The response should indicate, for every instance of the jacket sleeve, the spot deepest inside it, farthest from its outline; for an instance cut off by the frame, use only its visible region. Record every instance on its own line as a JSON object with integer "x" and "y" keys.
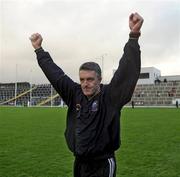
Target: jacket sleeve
{"x": 125, "y": 78}
{"x": 59, "y": 80}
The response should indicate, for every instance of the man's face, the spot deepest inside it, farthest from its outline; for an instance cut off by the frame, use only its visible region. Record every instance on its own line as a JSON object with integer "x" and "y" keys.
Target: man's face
{"x": 90, "y": 82}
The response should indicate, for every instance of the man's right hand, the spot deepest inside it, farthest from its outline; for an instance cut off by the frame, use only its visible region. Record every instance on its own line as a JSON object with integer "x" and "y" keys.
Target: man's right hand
{"x": 36, "y": 40}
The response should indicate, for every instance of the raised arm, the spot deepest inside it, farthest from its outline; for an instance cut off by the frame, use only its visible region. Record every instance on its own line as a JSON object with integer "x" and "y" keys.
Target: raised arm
{"x": 61, "y": 82}
{"x": 125, "y": 78}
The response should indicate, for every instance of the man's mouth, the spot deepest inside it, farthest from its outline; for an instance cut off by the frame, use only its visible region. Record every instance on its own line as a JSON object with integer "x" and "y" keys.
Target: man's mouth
{"x": 86, "y": 89}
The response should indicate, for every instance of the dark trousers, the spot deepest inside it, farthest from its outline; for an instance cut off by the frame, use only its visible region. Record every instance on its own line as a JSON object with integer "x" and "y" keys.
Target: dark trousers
{"x": 95, "y": 168}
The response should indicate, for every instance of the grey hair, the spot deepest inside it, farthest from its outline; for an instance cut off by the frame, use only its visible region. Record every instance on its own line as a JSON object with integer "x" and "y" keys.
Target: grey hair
{"x": 91, "y": 66}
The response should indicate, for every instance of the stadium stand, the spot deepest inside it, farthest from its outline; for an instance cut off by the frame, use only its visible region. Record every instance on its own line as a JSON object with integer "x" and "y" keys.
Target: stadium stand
{"x": 159, "y": 94}
{"x": 24, "y": 94}
{"x": 7, "y": 91}
{"x": 162, "y": 93}
{"x": 152, "y": 89}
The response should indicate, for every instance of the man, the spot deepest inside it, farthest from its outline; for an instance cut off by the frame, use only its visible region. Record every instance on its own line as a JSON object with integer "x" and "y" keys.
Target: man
{"x": 93, "y": 117}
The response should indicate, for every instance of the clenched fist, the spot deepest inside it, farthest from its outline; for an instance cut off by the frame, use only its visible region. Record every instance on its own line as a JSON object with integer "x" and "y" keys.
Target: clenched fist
{"x": 135, "y": 22}
{"x": 36, "y": 40}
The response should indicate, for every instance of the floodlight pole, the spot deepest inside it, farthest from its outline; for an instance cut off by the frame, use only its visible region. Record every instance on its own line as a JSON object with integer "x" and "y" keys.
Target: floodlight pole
{"x": 102, "y": 65}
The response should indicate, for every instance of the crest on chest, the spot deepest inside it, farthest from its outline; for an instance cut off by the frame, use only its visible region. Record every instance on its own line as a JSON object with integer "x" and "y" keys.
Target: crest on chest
{"x": 94, "y": 106}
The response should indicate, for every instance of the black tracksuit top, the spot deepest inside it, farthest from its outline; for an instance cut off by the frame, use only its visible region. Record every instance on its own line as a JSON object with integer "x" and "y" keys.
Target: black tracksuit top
{"x": 93, "y": 126}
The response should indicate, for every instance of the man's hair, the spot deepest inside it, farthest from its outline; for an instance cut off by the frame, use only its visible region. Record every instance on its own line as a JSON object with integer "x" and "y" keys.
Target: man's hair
{"x": 91, "y": 66}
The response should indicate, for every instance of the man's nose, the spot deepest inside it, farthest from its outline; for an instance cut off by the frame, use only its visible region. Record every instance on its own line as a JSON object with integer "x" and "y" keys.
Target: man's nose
{"x": 85, "y": 83}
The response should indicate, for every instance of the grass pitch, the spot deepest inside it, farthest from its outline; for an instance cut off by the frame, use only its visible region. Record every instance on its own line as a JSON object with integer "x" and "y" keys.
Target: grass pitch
{"x": 32, "y": 143}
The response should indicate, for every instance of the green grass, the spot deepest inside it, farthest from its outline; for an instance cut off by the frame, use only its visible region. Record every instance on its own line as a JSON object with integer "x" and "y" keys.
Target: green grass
{"x": 32, "y": 143}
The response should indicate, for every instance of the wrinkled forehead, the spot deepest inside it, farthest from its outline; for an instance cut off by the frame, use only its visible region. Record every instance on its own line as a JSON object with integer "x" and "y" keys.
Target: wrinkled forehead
{"x": 87, "y": 74}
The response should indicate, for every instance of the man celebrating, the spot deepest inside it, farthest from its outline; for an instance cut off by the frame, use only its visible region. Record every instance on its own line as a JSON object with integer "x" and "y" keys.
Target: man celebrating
{"x": 93, "y": 117}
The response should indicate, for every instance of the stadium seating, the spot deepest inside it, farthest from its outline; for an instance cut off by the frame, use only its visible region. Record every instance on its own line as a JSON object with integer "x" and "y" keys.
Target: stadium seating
{"x": 40, "y": 93}
{"x": 158, "y": 94}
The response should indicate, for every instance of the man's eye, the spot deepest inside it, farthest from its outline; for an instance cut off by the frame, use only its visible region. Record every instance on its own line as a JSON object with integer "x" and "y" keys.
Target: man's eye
{"x": 90, "y": 79}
